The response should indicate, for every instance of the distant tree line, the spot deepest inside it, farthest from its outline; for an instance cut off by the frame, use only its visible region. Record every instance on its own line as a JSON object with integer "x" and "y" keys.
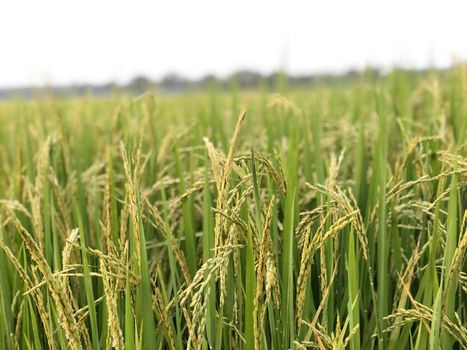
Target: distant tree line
{"x": 174, "y": 83}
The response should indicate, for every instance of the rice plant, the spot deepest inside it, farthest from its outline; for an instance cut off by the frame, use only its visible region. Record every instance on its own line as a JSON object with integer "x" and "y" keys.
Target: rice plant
{"x": 332, "y": 217}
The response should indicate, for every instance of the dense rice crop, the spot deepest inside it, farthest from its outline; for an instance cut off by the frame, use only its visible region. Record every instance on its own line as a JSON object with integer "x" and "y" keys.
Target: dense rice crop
{"x": 331, "y": 217}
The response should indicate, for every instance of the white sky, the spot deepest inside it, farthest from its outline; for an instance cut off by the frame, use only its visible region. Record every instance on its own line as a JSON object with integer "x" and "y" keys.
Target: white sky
{"x": 61, "y": 42}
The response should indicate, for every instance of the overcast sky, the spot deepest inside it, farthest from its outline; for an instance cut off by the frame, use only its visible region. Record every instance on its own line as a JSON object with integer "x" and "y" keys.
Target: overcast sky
{"x": 61, "y": 42}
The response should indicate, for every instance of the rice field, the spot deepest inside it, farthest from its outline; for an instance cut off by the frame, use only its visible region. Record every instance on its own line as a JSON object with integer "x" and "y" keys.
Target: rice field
{"x": 332, "y": 217}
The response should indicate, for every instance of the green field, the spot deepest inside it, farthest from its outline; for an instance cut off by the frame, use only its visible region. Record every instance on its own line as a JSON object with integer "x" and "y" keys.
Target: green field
{"x": 328, "y": 217}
